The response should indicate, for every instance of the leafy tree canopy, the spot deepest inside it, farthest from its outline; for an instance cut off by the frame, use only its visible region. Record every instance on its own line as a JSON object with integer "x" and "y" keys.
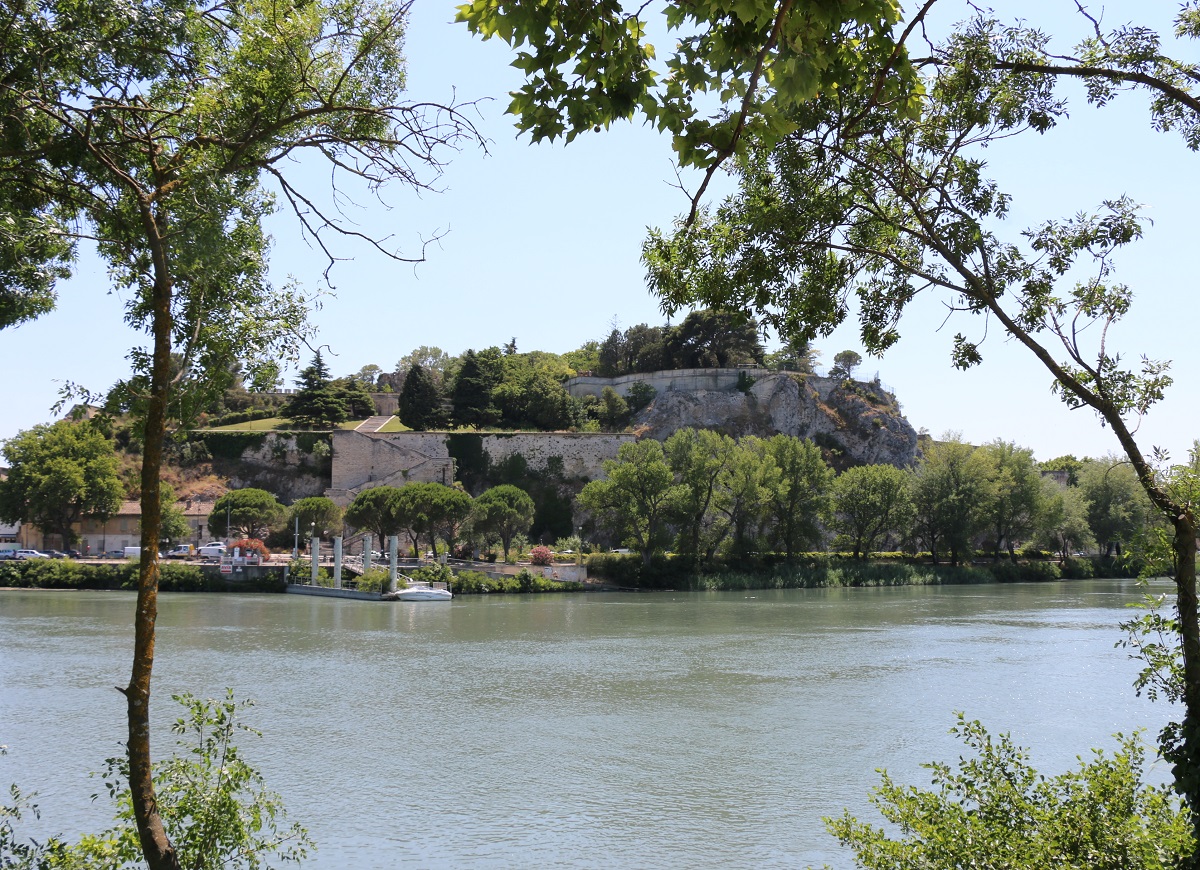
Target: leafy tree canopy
{"x": 589, "y": 65}
{"x": 316, "y": 515}
{"x": 249, "y": 513}
{"x": 504, "y": 511}
{"x": 59, "y": 473}
{"x": 376, "y": 509}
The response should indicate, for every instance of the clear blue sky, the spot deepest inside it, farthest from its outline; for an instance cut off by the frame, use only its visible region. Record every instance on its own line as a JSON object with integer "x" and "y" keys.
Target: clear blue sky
{"x": 542, "y": 243}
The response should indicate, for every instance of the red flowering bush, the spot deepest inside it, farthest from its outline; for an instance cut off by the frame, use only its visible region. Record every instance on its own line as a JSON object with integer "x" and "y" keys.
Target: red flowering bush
{"x": 248, "y": 546}
{"x": 540, "y": 555}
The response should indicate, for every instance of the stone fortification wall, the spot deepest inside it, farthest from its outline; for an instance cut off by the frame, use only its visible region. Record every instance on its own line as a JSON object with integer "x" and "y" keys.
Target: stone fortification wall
{"x": 674, "y": 379}
{"x": 362, "y": 460}
{"x": 582, "y": 453}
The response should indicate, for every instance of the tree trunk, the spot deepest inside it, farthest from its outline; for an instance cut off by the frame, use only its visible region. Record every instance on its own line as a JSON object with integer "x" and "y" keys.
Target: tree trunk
{"x": 156, "y": 846}
{"x": 1187, "y": 769}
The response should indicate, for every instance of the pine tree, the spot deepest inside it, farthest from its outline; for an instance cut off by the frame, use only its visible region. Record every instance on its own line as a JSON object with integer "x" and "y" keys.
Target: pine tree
{"x": 420, "y": 402}
{"x": 316, "y": 404}
{"x": 478, "y": 376}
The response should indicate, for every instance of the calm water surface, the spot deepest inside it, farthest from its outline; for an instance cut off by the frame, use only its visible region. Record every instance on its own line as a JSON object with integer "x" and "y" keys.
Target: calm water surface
{"x": 655, "y": 730}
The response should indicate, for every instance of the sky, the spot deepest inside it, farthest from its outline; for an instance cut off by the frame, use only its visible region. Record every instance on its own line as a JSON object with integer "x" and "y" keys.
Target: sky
{"x": 542, "y": 243}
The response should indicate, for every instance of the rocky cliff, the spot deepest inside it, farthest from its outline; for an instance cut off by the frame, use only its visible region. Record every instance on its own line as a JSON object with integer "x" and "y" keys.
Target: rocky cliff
{"x": 854, "y": 422}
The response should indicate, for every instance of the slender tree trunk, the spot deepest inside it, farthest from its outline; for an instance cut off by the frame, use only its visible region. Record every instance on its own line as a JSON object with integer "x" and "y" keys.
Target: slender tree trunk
{"x": 156, "y": 846}
{"x": 1187, "y": 770}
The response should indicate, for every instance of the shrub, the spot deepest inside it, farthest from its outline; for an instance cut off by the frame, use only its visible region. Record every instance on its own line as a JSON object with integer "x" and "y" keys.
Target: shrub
{"x": 375, "y": 580}
{"x": 995, "y": 810}
{"x": 540, "y": 555}
{"x": 179, "y": 578}
{"x": 478, "y": 583}
{"x": 1078, "y": 569}
{"x": 640, "y": 395}
{"x": 628, "y": 570}
{"x": 432, "y": 574}
{"x": 251, "y": 545}
{"x": 300, "y": 571}
{"x": 1038, "y": 571}
{"x": 215, "y": 806}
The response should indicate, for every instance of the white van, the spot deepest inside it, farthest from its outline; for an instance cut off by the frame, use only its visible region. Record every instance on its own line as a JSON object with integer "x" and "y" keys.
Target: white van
{"x": 215, "y": 550}
{"x": 135, "y": 553}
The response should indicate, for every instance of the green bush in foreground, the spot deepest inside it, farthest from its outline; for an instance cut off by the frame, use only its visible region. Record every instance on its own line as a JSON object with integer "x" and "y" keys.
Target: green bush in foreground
{"x": 214, "y": 804}
{"x": 996, "y": 812}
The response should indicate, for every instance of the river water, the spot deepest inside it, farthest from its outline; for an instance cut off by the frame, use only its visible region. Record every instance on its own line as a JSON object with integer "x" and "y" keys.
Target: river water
{"x": 610, "y": 730}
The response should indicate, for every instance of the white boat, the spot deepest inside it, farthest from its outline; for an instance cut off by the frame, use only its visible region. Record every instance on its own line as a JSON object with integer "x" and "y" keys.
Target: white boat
{"x": 423, "y": 592}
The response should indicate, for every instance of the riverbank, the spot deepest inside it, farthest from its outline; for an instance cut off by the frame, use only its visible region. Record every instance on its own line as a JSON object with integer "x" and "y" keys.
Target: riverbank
{"x": 173, "y": 577}
{"x": 606, "y": 573}
{"x": 829, "y": 570}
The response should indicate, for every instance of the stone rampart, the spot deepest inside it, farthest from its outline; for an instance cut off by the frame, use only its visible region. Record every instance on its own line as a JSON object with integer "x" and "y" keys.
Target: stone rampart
{"x": 362, "y": 460}
{"x": 582, "y": 453}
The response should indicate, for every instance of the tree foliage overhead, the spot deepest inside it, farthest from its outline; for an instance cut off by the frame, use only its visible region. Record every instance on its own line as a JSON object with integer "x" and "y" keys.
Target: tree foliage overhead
{"x": 588, "y": 65}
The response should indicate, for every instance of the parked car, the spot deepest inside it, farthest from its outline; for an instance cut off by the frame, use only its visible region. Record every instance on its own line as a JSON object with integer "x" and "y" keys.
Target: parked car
{"x": 55, "y": 554}
{"x": 31, "y": 554}
{"x": 213, "y": 550}
{"x": 8, "y": 554}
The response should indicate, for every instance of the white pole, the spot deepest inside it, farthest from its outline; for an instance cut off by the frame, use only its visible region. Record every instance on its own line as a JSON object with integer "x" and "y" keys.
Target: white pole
{"x": 314, "y": 552}
{"x": 337, "y": 561}
{"x": 391, "y": 563}
{"x": 366, "y": 554}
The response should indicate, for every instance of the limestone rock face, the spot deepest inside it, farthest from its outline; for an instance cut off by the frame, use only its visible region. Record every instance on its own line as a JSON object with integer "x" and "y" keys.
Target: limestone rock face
{"x": 856, "y": 423}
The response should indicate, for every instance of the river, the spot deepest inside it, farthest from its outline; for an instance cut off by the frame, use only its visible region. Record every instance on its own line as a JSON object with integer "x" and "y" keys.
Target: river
{"x": 598, "y": 730}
